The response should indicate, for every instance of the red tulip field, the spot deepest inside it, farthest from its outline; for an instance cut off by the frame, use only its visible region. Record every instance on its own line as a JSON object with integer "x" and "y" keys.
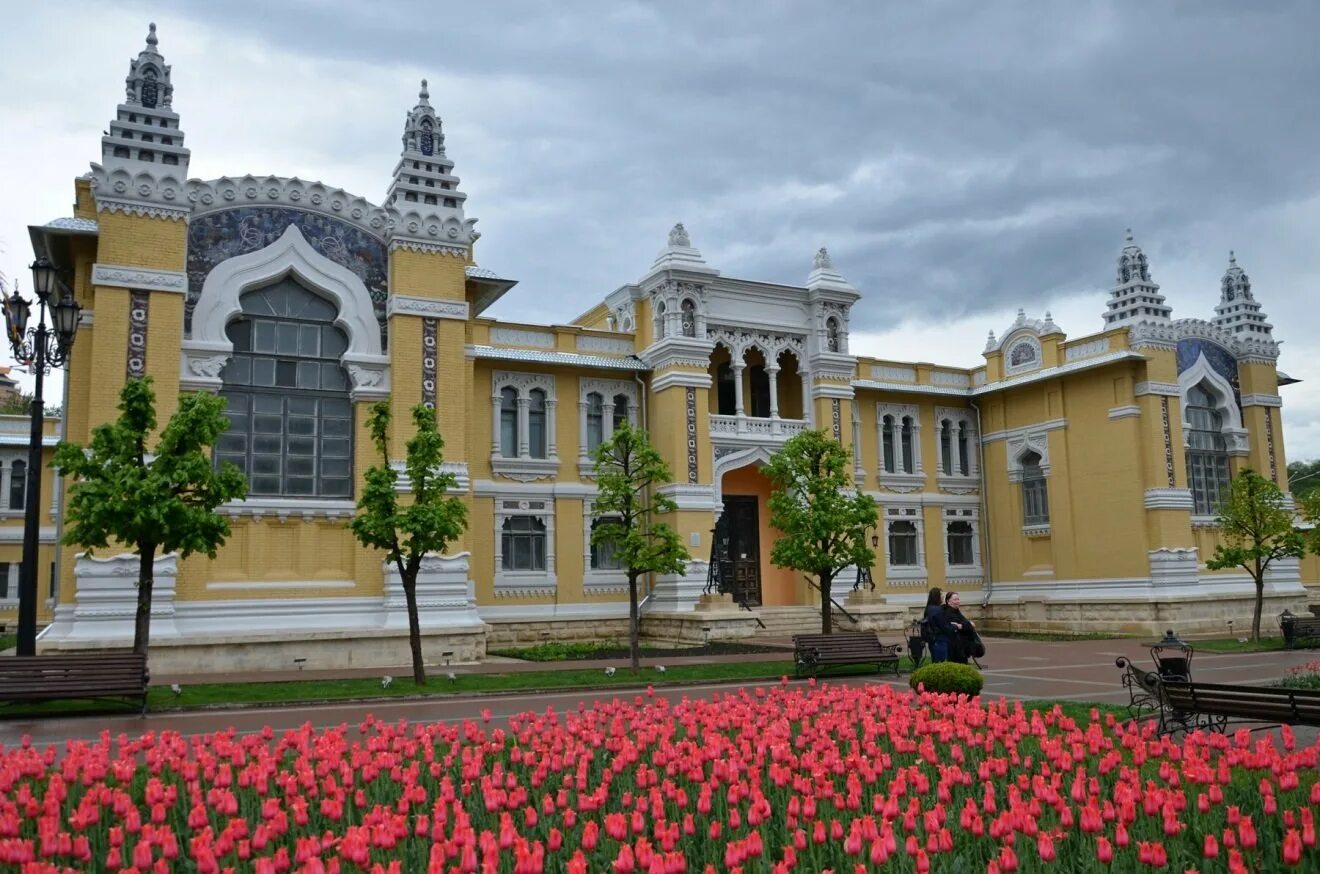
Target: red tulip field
{"x": 801, "y": 778}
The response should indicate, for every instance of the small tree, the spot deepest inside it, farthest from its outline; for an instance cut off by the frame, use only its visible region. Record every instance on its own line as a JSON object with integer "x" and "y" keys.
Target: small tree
{"x": 628, "y": 470}
{"x": 822, "y": 518}
{"x": 407, "y": 532}
{"x": 1256, "y": 527}
{"x": 162, "y": 501}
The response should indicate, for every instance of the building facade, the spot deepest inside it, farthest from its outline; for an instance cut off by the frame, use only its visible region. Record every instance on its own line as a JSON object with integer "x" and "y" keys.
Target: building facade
{"x": 1061, "y": 484}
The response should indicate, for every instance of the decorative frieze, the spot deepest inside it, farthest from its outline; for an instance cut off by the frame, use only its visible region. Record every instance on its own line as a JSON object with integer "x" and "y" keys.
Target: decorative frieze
{"x": 1261, "y": 400}
{"x": 959, "y": 380}
{"x": 1161, "y": 389}
{"x": 428, "y": 361}
{"x": 1269, "y": 444}
{"x": 1127, "y": 411}
{"x": 690, "y": 398}
{"x": 1168, "y": 499}
{"x": 522, "y": 337}
{"x": 1168, "y": 440}
{"x": 1086, "y": 350}
{"x": 140, "y": 278}
{"x": 139, "y": 301}
{"x": 402, "y": 304}
{"x": 897, "y": 374}
{"x": 836, "y": 418}
{"x": 608, "y": 345}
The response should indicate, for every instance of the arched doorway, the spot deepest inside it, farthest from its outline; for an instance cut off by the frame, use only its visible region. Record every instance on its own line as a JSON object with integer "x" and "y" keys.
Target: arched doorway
{"x": 744, "y": 538}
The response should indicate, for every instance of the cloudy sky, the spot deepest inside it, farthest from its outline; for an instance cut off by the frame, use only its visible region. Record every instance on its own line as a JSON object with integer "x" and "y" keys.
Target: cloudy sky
{"x": 960, "y": 159}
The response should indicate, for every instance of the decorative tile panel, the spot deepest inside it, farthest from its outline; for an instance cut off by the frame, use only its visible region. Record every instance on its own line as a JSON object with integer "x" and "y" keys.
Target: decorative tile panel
{"x": 1168, "y": 440}
{"x": 137, "y": 334}
{"x": 691, "y": 398}
{"x": 428, "y": 362}
{"x": 1269, "y": 444}
{"x": 835, "y": 415}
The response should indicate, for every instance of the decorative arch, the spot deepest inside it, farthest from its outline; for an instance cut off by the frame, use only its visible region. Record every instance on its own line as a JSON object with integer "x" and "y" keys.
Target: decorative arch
{"x": 757, "y": 455}
{"x": 1202, "y": 373}
{"x": 208, "y": 350}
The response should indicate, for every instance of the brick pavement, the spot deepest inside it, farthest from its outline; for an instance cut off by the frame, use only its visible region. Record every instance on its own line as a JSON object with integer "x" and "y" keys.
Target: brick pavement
{"x": 1074, "y": 670}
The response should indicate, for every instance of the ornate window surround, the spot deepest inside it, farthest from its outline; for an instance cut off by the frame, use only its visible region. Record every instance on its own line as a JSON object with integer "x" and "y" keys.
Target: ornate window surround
{"x": 597, "y": 582}
{"x": 899, "y": 481}
{"x": 7, "y": 460}
{"x": 973, "y": 572}
{"x": 906, "y": 574}
{"x": 517, "y": 584}
{"x": 608, "y": 389}
{"x": 1012, "y": 342}
{"x": 1215, "y": 385}
{"x": 523, "y": 467}
{"x": 956, "y": 482}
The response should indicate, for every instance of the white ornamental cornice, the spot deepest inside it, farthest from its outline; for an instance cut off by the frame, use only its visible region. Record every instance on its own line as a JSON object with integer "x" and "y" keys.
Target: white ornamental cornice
{"x": 208, "y": 196}
{"x": 155, "y": 192}
{"x": 677, "y": 351}
{"x": 139, "y": 278}
{"x": 1152, "y": 335}
{"x": 407, "y": 305}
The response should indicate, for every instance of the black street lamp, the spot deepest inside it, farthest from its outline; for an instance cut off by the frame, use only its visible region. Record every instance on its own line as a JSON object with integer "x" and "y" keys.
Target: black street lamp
{"x": 864, "y": 574}
{"x": 39, "y": 349}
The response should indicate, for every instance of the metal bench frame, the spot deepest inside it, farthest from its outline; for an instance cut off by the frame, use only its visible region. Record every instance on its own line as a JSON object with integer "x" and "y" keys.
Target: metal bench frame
{"x": 811, "y": 652}
{"x": 90, "y": 676}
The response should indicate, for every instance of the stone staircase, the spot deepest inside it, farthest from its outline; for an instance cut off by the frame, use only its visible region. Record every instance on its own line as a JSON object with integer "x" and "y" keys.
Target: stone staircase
{"x": 787, "y": 621}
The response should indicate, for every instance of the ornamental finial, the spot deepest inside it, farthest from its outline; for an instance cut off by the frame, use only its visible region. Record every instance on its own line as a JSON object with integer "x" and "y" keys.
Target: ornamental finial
{"x": 424, "y": 95}
{"x": 151, "y": 34}
{"x": 823, "y": 261}
{"x": 678, "y": 236}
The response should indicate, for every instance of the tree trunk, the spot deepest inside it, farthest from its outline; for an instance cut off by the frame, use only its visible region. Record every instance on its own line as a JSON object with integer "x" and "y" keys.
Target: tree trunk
{"x": 826, "y": 614}
{"x": 1260, "y": 602}
{"x": 634, "y": 632}
{"x": 408, "y": 576}
{"x": 146, "y": 577}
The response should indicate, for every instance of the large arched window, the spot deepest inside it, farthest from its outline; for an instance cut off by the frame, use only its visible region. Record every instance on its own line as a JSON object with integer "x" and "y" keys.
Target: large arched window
{"x": 832, "y": 339}
{"x": 887, "y": 443}
{"x": 509, "y": 422}
{"x": 946, "y": 447}
{"x": 906, "y": 436}
{"x": 689, "y": 313}
{"x": 964, "y": 465}
{"x": 1207, "y": 452}
{"x": 536, "y": 423}
{"x": 726, "y": 394}
{"x": 290, "y": 416}
{"x": 620, "y": 412}
{"x": 1035, "y": 497}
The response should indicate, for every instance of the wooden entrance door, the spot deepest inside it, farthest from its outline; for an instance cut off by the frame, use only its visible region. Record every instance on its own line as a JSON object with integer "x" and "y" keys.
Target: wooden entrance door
{"x": 742, "y": 527}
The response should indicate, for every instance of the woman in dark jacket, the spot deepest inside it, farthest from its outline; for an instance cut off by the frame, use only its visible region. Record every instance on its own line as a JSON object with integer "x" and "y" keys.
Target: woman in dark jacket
{"x": 961, "y": 631}
{"x": 938, "y": 626}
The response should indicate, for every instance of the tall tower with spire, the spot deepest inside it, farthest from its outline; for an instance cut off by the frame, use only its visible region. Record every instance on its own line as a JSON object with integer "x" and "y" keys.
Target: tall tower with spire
{"x": 424, "y": 191}
{"x": 1135, "y": 298}
{"x": 1238, "y": 311}
{"x": 143, "y": 161}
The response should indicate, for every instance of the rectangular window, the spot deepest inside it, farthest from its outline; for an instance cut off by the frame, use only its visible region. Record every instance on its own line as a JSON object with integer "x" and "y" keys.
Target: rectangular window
{"x": 4, "y": 580}
{"x": 523, "y": 544}
{"x": 903, "y": 544}
{"x": 603, "y": 555}
{"x": 960, "y": 536}
{"x": 1035, "y": 502}
{"x": 17, "y": 484}
{"x": 887, "y": 443}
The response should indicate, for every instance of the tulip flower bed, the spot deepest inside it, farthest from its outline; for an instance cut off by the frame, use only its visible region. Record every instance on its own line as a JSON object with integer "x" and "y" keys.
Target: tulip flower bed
{"x": 802, "y": 778}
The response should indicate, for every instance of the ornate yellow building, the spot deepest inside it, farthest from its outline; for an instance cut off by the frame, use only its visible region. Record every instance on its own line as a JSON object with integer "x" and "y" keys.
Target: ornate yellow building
{"x": 1062, "y": 484}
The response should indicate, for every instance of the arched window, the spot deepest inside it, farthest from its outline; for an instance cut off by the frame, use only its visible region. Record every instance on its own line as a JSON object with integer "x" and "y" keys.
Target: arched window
{"x": 832, "y": 334}
{"x": 523, "y": 546}
{"x": 660, "y": 319}
{"x": 759, "y": 381}
{"x": 960, "y": 535}
{"x": 150, "y": 89}
{"x": 887, "y": 443}
{"x": 946, "y": 447}
{"x": 1022, "y": 354}
{"x": 603, "y": 555}
{"x": 1207, "y": 452}
{"x": 903, "y": 544}
{"x": 964, "y": 466}
{"x": 620, "y": 414}
{"x": 1035, "y": 497}
{"x": 290, "y": 416}
{"x": 536, "y": 423}
{"x": 595, "y": 421}
{"x": 725, "y": 392}
{"x": 906, "y": 441}
{"x": 689, "y": 318}
{"x": 17, "y": 484}
{"x": 509, "y": 422}
{"x": 428, "y": 138}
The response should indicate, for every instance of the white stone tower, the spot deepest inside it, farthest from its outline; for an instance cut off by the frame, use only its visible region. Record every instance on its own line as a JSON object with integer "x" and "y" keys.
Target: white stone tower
{"x": 1136, "y": 298}
{"x": 1238, "y": 311}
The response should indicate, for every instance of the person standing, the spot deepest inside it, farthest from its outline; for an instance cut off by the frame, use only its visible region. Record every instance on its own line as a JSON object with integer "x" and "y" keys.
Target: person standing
{"x": 961, "y": 630}
{"x": 937, "y": 626}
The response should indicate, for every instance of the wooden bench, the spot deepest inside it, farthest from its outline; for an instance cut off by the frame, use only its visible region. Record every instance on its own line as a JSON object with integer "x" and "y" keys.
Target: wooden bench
{"x": 1298, "y": 631}
{"x": 121, "y": 674}
{"x": 1212, "y": 705}
{"x": 814, "y": 651}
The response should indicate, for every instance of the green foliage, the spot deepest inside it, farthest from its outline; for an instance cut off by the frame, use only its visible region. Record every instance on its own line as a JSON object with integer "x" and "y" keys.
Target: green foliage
{"x": 1256, "y": 529}
{"x": 1304, "y": 478}
{"x": 406, "y": 532}
{"x": 948, "y": 677}
{"x": 21, "y": 405}
{"x": 629, "y": 472}
{"x": 823, "y": 519}
{"x": 1305, "y": 676}
{"x": 160, "y": 500}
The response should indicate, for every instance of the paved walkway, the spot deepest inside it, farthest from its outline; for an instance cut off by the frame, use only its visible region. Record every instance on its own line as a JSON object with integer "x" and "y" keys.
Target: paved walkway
{"x": 1075, "y": 670}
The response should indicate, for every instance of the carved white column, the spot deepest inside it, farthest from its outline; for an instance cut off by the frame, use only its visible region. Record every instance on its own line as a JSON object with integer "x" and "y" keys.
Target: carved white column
{"x": 607, "y": 418}
{"x": 773, "y": 373}
{"x": 955, "y": 451}
{"x": 808, "y": 408}
{"x": 974, "y": 452}
{"x": 496, "y": 409}
{"x": 551, "y": 446}
{"x": 583, "y": 437}
{"x": 738, "y": 395}
{"x": 524, "y": 428}
{"x": 6, "y": 474}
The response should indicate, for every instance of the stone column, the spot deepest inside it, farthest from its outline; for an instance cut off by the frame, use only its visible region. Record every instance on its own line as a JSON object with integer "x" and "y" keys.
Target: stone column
{"x": 524, "y": 430}
{"x": 496, "y": 413}
{"x": 551, "y": 444}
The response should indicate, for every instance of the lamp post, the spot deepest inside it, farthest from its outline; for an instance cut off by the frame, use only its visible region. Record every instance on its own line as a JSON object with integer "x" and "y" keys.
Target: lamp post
{"x": 864, "y": 574}
{"x": 39, "y": 348}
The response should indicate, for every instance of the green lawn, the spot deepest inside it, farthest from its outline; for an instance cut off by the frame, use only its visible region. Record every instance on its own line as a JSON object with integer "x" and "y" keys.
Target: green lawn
{"x": 1232, "y": 644}
{"x": 8, "y": 641}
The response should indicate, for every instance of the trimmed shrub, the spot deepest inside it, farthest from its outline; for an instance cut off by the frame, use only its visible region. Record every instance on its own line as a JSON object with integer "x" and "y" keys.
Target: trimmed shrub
{"x": 948, "y": 677}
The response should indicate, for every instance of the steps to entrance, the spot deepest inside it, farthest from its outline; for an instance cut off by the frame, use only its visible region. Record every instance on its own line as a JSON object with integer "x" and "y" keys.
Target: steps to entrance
{"x": 787, "y": 621}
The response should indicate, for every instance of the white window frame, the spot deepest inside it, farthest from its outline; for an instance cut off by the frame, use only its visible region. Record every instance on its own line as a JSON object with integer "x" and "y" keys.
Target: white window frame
{"x": 598, "y": 582}
{"x": 899, "y": 481}
{"x": 1011, "y": 343}
{"x": 523, "y": 467}
{"x": 905, "y": 573}
{"x": 608, "y": 389}
{"x": 963, "y": 573}
{"x": 11, "y": 597}
{"x": 517, "y": 584}
{"x": 7, "y": 460}
{"x": 955, "y": 481}
{"x": 1018, "y": 448}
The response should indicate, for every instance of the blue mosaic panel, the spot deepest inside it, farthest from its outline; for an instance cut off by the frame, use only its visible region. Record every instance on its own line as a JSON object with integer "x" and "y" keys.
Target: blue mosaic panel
{"x": 223, "y": 235}
{"x": 1220, "y": 359}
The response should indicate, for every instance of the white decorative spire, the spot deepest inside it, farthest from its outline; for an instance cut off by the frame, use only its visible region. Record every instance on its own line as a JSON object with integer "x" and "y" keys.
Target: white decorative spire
{"x": 678, "y": 237}
{"x": 680, "y": 254}
{"x": 823, "y": 261}
{"x": 1135, "y": 298}
{"x": 824, "y": 275}
{"x": 1238, "y": 310}
{"x": 991, "y": 344}
{"x": 143, "y": 162}
{"x": 424, "y": 192}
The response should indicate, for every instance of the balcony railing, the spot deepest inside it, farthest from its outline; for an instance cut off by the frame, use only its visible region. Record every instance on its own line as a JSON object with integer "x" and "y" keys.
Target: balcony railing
{"x": 755, "y": 428}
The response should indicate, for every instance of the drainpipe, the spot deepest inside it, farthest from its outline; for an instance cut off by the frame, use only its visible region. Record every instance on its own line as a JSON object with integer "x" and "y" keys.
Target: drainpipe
{"x": 985, "y": 510}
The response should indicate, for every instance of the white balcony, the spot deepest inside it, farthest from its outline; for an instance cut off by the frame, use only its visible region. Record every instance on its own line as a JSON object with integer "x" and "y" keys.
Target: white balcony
{"x": 753, "y": 429}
